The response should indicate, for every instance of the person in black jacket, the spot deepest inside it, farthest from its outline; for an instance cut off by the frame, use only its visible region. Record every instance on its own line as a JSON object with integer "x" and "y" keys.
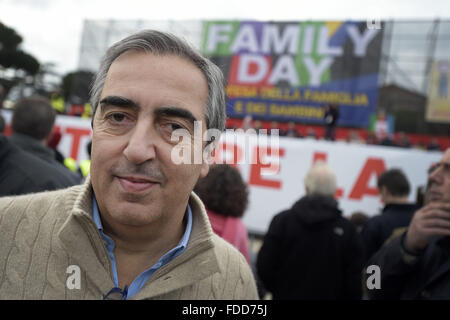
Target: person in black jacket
{"x": 310, "y": 251}
{"x": 396, "y": 215}
{"x": 416, "y": 264}
{"x": 32, "y": 123}
{"x": 23, "y": 173}
{"x": 331, "y": 117}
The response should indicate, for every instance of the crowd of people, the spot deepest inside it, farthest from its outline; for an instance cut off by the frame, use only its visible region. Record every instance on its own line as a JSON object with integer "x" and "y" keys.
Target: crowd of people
{"x": 328, "y": 132}
{"x": 140, "y": 226}
{"x": 311, "y": 252}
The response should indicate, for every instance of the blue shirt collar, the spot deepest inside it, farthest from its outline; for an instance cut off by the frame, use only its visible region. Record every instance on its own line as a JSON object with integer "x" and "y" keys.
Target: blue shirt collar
{"x": 139, "y": 282}
{"x": 183, "y": 242}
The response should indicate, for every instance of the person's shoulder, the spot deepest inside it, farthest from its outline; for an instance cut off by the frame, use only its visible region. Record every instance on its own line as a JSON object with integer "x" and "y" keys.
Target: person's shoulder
{"x": 235, "y": 271}
{"x": 374, "y": 221}
{"x": 391, "y": 210}
{"x": 280, "y": 220}
{"x": 28, "y": 164}
{"x": 224, "y": 248}
{"x": 282, "y": 215}
{"x": 37, "y": 171}
{"x": 32, "y": 203}
{"x": 229, "y": 256}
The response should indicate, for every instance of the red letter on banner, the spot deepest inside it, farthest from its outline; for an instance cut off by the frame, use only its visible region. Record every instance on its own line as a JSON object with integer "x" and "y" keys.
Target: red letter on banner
{"x": 253, "y": 68}
{"x": 256, "y": 168}
{"x": 361, "y": 187}
{"x": 76, "y": 135}
{"x": 322, "y": 156}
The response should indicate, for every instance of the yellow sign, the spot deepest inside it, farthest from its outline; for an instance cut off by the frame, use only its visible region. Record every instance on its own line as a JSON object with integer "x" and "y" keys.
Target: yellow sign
{"x": 438, "y": 107}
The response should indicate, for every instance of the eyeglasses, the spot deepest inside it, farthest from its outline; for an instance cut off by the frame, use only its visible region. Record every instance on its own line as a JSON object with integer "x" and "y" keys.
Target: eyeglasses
{"x": 117, "y": 294}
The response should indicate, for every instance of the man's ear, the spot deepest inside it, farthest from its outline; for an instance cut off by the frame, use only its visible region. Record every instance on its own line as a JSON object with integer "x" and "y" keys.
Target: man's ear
{"x": 383, "y": 193}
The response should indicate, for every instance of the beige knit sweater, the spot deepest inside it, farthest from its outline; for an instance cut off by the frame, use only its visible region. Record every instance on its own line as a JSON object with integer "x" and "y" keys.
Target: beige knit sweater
{"x": 43, "y": 234}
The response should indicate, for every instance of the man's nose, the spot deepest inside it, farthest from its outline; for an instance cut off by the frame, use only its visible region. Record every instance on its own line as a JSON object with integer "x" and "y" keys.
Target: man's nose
{"x": 141, "y": 146}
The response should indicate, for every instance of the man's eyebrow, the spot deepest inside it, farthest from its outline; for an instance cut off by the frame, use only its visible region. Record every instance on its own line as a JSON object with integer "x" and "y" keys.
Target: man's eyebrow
{"x": 119, "y": 102}
{"x": 176, "y": 112}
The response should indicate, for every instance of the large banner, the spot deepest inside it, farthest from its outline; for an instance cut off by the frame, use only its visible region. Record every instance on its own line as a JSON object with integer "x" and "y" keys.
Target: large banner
{"x": 438, "y": 107}
{"x": 276, "y": 176}
{"x": 288, "y": 71}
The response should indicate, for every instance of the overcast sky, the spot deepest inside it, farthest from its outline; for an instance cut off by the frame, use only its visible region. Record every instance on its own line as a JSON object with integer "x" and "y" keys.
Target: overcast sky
{"x": 52, "y": 28}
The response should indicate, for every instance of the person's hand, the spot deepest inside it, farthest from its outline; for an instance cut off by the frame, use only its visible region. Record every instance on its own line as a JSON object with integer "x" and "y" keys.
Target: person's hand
{"x": 431, "y": 220}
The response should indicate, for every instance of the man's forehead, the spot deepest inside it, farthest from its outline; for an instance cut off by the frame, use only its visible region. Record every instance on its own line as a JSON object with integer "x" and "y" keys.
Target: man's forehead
{"x": 119, "y": 68}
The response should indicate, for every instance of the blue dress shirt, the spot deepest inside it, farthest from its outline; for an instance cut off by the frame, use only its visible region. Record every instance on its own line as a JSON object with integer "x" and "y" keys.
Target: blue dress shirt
{"x": 139, "y": 282}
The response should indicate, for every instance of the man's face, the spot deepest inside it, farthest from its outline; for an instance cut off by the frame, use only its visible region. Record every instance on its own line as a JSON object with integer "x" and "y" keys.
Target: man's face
{"x": 145, "y": 98}
{"x": 438, "y": 188}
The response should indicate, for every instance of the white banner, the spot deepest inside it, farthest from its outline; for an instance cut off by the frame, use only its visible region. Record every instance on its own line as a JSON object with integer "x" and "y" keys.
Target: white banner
{"x": 356, "y": 167}
{"x": 277, "y": 185}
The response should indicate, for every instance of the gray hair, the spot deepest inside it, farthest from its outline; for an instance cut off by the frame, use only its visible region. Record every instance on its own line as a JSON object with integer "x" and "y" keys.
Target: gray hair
{"x": 161, "y": 43}
{"x": 321, "y": 180}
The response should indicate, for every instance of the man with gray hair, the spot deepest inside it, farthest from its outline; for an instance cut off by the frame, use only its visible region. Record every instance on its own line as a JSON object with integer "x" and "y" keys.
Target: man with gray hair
{"x": 310, "y": 251}
{"x": 135, "y": 229}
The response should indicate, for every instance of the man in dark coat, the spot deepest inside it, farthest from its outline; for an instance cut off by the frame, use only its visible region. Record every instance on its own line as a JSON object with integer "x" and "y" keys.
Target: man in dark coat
{"x": 331, "y": 117}
{"x": 396, "y": 215}
{"x": 416, "y": 264}
{"x": 22, "y": 173}
{"x": 32, "y": 123}
{"x": 310, "y": 251}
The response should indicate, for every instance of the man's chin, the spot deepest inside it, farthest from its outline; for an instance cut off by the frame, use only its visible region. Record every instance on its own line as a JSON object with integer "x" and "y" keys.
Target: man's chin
{"x": 134, "y": 215}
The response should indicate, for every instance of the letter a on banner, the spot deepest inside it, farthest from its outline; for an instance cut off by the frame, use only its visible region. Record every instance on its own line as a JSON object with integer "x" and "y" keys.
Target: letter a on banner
{"x": 361, "y": 187}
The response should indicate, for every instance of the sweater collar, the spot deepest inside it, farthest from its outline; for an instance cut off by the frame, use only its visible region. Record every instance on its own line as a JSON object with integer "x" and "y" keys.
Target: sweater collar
{"x": 198, "y": 260}
{"x": 196, "y": 263}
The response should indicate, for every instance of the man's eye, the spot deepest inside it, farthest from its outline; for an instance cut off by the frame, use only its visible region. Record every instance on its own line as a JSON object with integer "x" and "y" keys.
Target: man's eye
{"x": 174, "y": 126}
{"x": 172, "y": 131}
{"x": 116, "y": 117}
{"x": 171, "y": 126}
